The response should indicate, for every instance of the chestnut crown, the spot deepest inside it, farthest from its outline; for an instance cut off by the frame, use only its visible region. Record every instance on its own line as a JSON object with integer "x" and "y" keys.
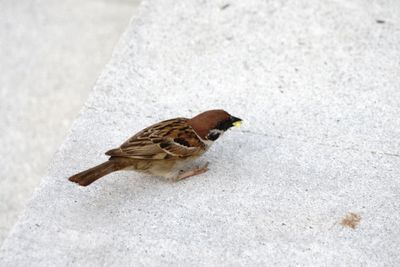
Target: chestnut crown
{"x": 210, "y": 124}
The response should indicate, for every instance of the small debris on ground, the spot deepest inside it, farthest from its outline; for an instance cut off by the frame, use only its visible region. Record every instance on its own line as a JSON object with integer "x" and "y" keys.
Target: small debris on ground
{"x": 225, "y": 6}
{"x": 351, "y": 220}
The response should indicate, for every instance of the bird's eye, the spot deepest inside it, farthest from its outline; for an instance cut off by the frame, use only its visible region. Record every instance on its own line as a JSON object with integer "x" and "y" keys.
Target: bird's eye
{"x": 224, "y": 125}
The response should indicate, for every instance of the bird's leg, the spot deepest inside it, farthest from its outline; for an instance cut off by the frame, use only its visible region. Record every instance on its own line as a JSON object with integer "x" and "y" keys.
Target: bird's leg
{"x": 192, "y": 172}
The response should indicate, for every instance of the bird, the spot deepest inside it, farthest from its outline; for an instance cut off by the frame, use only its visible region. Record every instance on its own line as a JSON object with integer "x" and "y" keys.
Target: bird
{"x": 165, "y": 148}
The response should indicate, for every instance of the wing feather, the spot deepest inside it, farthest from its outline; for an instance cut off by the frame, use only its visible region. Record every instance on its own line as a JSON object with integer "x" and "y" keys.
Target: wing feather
{"x": 168, "y": 139}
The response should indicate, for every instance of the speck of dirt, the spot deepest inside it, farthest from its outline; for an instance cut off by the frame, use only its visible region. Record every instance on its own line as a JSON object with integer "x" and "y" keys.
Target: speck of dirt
{"x": 380, "y": 21}
{"x": 225, "y": 6}
{"x": 351, "y": 220}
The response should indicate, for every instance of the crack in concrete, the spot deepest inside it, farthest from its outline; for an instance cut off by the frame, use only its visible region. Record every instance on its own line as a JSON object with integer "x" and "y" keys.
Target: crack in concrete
{"x": 324, "y": 144}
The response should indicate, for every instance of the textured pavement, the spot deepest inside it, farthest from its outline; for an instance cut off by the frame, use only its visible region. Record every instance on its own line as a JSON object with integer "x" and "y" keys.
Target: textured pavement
{"x": 312, "y": 178}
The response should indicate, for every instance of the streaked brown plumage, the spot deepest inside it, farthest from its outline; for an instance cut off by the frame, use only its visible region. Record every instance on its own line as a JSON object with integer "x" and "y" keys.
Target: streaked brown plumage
{"x": 164, "y": 148}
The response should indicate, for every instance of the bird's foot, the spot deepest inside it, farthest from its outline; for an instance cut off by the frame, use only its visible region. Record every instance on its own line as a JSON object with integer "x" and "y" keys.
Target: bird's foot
{"x": 192, "y": 172}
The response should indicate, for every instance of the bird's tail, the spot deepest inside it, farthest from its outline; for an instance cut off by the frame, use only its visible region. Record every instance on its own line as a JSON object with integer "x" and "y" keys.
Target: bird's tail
{"x": 87, "y": 177}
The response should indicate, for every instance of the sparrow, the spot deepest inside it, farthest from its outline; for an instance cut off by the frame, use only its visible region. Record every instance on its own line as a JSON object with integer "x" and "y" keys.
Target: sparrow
{"x": 165, "y": 148}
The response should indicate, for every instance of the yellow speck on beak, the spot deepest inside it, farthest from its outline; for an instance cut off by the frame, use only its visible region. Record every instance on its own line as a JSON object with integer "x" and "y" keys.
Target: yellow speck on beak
{"x": 237, "y": 124}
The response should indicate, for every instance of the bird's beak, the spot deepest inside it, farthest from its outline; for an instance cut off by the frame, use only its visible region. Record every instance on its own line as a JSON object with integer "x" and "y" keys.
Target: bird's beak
{"x": 236, "y": 122}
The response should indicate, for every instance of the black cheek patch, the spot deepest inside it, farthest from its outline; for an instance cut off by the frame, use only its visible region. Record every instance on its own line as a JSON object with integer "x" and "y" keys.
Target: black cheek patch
{"x": 182, "y": 142}
{"x": 213, "y": 136}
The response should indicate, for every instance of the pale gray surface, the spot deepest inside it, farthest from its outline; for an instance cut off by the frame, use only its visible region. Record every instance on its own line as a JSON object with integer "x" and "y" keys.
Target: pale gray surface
{"x": 51, "y": 53}
{"x": 317, "y": 83}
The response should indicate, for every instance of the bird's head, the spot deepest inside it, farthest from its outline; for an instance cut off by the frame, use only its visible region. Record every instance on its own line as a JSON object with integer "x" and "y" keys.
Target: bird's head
{"x": 211, "y": 124}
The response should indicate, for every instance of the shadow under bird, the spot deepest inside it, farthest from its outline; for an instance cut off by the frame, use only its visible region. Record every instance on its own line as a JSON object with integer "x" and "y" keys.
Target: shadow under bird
{"x": 165, "y": 148}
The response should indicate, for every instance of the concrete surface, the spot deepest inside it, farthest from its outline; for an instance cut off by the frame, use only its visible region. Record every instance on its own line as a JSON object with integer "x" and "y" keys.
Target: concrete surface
{"x": 317, "y": 83}
{"x": 51, "y": 55}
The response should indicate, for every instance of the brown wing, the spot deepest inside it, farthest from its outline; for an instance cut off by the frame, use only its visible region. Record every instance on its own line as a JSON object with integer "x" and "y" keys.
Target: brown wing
{"x": 168, "y": 139}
